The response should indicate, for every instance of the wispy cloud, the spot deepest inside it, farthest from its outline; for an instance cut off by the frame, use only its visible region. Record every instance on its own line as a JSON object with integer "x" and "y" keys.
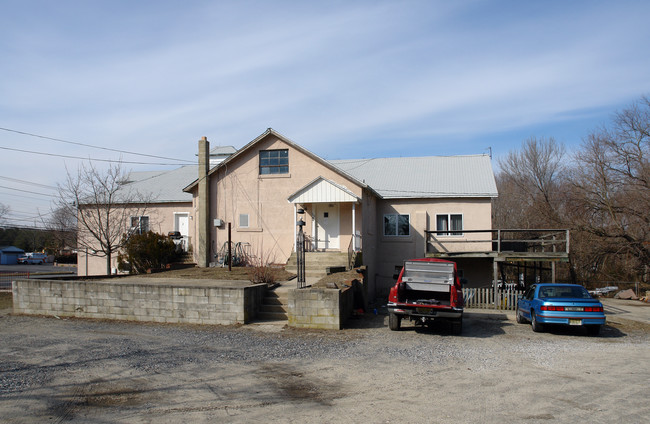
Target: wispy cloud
{"x": 347, "y": 79}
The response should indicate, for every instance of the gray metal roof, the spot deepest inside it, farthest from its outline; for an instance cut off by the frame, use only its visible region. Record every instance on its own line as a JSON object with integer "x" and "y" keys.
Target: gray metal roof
{"x": 424, "y": 177}
{"x": 164, "y": 186}
{"x": 223, "y": 150}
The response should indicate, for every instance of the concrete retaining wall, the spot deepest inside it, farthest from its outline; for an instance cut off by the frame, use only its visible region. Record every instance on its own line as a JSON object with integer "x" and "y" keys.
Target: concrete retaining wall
{"x": 138, "y": 302}
{"x": 319, "y": 307}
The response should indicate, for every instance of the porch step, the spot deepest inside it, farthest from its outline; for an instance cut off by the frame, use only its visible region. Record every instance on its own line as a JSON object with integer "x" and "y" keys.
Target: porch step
{"x": 316, "y": 263}
{"x": 275, "y": 305}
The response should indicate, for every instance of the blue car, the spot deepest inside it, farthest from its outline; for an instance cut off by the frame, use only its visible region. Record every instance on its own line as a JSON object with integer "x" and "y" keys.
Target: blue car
{"x": 561, "y": 304}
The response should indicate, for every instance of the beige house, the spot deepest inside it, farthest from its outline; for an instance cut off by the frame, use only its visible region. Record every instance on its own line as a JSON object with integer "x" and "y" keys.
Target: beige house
{"x": 380, "y": 207}
{"x": 168, "y": 209}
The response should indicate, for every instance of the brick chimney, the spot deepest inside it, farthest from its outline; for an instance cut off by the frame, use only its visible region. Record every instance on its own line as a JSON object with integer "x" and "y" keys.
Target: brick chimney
{"x": 203, "y": 256}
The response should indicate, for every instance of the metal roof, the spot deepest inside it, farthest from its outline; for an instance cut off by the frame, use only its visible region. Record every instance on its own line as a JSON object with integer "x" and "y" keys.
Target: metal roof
{"x": 164, "y": 186}
{"x": 424, "y": 177}
{"x": 223, "y": 150}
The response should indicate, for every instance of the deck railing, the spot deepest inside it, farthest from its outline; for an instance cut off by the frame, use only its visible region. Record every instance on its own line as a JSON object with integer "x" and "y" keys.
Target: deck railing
{"x": 499, "y": 240}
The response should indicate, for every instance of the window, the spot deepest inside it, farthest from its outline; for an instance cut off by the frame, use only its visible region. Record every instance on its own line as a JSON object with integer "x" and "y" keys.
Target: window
{"x": 452, "y": 223}
{"x": 274, "y": 162}
{"x": 243, "y": 220}
{"x": 396, "y": 225}
{"x": 139, "y": 224}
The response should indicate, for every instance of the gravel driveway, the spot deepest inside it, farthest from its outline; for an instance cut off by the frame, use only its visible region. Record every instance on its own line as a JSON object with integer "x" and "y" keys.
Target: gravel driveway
{"x": 82, "y": 371}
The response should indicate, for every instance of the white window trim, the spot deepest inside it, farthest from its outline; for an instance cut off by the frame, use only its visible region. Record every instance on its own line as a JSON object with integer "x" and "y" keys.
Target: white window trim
{"x": 248, "y": 220}
{"x": 281, "y": 174}
{"x": 397, "y": 226}
{"x": 137, "y": 229}
{"x": 448, "y": 215}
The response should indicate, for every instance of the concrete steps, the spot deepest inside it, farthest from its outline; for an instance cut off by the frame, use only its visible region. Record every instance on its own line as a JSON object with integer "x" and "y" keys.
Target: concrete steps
{"x": 316, "y": 263}
{"x": 274, "y": 305}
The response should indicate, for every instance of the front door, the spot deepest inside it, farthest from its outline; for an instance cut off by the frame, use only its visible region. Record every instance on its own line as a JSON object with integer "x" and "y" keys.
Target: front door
{"x": 327, "y": 226}
{"x": 182, "y": 225}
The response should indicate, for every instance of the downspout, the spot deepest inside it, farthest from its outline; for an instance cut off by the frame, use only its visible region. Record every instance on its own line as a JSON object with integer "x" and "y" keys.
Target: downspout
{"x": 204, "y": 204}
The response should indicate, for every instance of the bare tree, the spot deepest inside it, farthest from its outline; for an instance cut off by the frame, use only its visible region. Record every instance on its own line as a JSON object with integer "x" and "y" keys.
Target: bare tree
{"x": 530, "y": 178}
{"x": 63, "y": 227}
{"x": 4, "y": 210}
{"x": 611, "y": 187}
{"x": 104, "y": 205}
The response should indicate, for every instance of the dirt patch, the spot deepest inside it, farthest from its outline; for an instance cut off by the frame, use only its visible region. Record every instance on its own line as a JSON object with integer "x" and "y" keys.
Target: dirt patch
{"x": 338, "y": 278}
{"x": 99, "y": 394}
{"x": 6, "y": 300}
{"x": 237, "y": 273}
{"x": 294, "y": 385}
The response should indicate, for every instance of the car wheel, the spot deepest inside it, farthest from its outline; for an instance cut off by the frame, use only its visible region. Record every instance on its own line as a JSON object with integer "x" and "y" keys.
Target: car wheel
{"x": 394, "y": 321}
{"x": 593, "y": 330}
{"x": 537, "y": 327}
{"x": 520, "y": 317}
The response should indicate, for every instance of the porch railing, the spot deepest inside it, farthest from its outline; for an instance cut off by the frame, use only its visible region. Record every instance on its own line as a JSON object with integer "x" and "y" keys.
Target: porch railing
{"x": 483, "y": 298}
{"x": 500, "y": 240}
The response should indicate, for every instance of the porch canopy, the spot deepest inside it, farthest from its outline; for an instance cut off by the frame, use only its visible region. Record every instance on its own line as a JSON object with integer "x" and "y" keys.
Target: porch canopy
{"x": 322, "y": 190}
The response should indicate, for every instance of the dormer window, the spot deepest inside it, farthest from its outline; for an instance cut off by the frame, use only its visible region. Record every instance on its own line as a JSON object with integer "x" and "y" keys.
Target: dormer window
{"x": 274, "y": 162}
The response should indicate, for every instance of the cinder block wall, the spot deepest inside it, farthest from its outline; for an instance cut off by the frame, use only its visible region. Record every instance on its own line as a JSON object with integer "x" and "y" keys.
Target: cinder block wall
{"x": 319, "y": 307}
{"x": 138, "y": 302}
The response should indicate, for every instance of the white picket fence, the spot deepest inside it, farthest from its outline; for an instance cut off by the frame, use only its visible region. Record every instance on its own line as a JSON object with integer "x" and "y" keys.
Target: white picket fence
{"x": 484, "y": 299}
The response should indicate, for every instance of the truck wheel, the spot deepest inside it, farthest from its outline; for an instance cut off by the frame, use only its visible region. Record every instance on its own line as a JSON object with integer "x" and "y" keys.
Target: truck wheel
{"x": 537, "y": 327}
{"x": 394, "y": 321}
{"x": 457, "y": 326}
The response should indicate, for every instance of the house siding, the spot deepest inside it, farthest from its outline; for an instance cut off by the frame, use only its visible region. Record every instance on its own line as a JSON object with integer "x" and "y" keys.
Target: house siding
{"x": 161, "y": 220}
{"x": 237, "y": 188}
{"x": 393, "y": 250}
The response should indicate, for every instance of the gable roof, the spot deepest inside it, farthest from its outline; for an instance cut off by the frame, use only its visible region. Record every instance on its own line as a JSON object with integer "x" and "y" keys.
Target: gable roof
{"x": 401, "y": 178}
{"x": 271, "y": 131}
{"x": 322, "y": 190}
{"x": 11, "y": 249}
{"x": 425, "y": 177}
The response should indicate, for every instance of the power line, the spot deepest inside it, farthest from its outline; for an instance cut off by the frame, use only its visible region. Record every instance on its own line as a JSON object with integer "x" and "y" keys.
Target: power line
{"x": 28, "y": 182}
{"x": 88, "y": 158}
{"x": 92, "y": 146}
{"x": 27, "y": 191}
{"x": 26, "y": 197}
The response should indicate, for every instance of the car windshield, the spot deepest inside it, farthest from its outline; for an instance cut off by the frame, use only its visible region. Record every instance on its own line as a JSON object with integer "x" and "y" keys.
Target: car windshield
{"x": 564, "y": 291}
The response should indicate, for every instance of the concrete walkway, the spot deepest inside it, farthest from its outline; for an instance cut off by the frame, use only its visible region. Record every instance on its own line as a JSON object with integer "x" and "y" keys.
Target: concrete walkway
{"x": 633, "y": 310}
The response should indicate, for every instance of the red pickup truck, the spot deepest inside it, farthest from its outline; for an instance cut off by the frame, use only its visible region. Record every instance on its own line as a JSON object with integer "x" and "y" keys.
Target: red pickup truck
{"x": 427, "y": 289}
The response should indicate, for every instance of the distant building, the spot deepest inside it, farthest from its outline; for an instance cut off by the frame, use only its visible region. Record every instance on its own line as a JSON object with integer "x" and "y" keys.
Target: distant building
{"x": 9, "y": 255}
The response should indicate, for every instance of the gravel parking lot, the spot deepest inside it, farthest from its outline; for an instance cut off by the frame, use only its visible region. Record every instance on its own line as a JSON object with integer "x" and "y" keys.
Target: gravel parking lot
{"x": 56, "y": 370}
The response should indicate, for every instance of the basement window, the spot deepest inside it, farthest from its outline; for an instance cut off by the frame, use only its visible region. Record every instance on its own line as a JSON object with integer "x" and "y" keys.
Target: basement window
{"x": 274, "y": 162}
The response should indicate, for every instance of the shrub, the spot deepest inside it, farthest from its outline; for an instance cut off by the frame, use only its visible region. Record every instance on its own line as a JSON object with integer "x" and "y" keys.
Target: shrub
{"x": 260, "y": 270}
{"x": 146, "y": 251}
{"x": 65, "y": 259}
{"x": 262, "y": 274}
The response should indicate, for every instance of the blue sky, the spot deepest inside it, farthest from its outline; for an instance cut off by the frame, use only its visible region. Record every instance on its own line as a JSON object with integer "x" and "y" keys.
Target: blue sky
{"x": 346, "y": 79}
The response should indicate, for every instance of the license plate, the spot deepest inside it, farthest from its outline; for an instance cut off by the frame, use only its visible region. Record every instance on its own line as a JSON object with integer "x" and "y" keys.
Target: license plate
{"x": 575, "y": 322}
{"x": 427, "y": 311}
{"x": 574, "y": 308}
